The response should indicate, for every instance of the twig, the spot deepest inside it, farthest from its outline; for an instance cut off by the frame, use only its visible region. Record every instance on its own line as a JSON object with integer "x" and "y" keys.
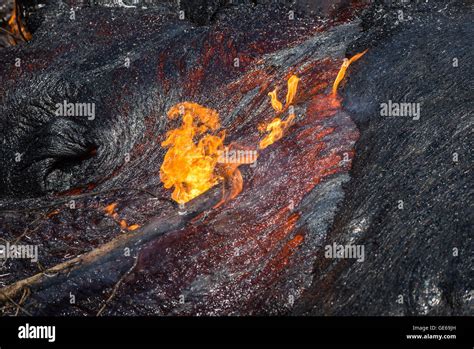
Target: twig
{"x": 17, "y": 305}
{"x": 116, "y": 287}
{"x": 27, "y": 229}
{"x": 25, "y": 294}
{"x": 157, "y": 227}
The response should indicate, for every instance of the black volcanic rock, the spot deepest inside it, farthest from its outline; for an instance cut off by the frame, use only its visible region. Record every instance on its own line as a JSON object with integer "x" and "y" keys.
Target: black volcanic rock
{"x": 263, "y": 252}
{"x": 423, "y": 251}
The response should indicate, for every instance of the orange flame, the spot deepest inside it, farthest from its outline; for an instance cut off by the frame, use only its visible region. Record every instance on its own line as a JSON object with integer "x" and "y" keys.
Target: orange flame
{"x": 290, "y": 95}
{"x": 276, "y": 104}
{"x": 192, "y": 164}
{"x": 17, "y": 28}
{"x": 110, "y": 211}
{"x": 233, "y": 182}
{"x": 188, "y": 166}
{"x": 123, "y": 224}
{"x": 292, "y": 87}
{"x": 277, "y": 127}
{"x": 342, "y": 72}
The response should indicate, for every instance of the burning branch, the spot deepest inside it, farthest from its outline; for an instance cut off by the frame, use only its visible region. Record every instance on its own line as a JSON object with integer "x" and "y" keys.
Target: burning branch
{"x": 189, "y": 166}
{"x": 192, "y": 164}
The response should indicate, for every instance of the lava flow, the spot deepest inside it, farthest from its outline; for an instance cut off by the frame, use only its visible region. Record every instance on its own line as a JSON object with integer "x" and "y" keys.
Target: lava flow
{"x": 251, "y": 254}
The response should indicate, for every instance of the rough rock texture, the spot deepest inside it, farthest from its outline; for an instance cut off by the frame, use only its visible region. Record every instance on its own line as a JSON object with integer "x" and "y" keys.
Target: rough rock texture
{"x": 422, "y": 252}
{"x": 253, "y": 255}
{"x": 262, "y": 253}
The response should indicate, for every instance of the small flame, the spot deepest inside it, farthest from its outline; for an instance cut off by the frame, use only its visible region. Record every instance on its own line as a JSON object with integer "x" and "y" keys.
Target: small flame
{"x": 277, "y": 127}
{"x": 276, "y": 104}
{"x": 52, "y": 213}
{"x": 342, "y": 72}
{"x": 123, "y": 224}
{"x": 17, "y": 27}
{"x": 233, "y": 182}
{"x": 290, "y": 95}
{"x": 292, "y": 87}
{"x": 189, "y": 165}
{"x": 110, "y": 211}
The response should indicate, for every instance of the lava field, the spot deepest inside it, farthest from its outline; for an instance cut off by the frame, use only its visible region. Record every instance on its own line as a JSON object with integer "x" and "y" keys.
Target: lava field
{"x": 236, "y": 158}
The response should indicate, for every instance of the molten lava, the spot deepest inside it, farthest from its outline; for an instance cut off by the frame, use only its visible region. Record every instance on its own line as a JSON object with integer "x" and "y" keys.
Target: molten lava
{"x": 277, "y": 127}
{"x": 342, "y": 72}
{"x": 190, "y": 163}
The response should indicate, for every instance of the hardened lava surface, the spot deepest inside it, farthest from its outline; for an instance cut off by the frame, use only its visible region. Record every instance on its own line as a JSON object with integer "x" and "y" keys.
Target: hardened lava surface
{"x": 409, "y": 201}
{"x": 252, "y": 255}
{"x": 401, "y": 187}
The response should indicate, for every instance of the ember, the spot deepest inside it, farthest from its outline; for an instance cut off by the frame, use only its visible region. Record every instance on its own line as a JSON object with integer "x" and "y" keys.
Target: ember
{"x": 110, "y": 210}
{"x": 17, "y": 27}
